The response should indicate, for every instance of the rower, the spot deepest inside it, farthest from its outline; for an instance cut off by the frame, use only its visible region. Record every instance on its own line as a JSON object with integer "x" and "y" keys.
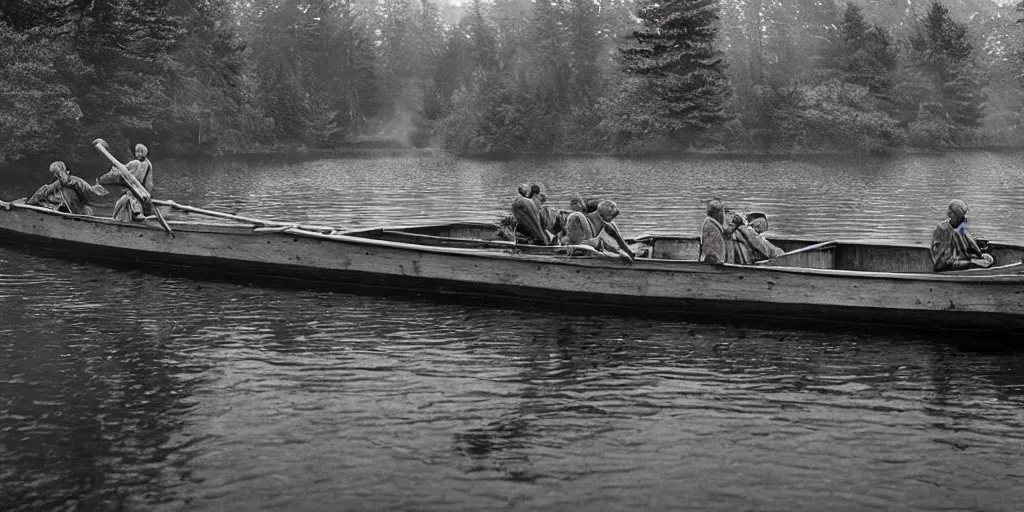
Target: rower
{"x": 953, "y": 247}
{"x": 129, "y": 207}
{"x": 68, "y": 193}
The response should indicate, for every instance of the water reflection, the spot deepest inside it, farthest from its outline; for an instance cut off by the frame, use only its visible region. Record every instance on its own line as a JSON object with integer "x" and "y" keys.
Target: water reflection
{"x": 93, "y": 390}
{"x": 125, "y": 390}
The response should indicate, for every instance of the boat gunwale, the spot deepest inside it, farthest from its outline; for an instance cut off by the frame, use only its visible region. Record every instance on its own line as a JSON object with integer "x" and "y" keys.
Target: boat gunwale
{"x": 692, "y": 266}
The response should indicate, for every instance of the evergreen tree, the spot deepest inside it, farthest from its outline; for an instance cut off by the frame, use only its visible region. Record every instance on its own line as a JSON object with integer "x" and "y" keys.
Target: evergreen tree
{"x": 354, "y": 67}
{"x": 674, "y": 55}
{"x": 862, "y": 54}
{"x": 205, "y": 84}
{"x": 125, "y": 44}
{"x": 38, "y": 111}
{"x": 950, "y": 101}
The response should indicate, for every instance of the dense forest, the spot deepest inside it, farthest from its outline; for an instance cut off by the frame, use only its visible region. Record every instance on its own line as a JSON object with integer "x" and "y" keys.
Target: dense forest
{"x": 509, "y": 76}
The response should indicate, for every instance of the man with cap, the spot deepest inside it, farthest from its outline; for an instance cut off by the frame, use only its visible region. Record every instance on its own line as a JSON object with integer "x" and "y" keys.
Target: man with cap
{"x": 953, "y": 247}
{"x": 750, "y": 235}
{"x": 69, "y": 194}
{"x": 129, "y": 207}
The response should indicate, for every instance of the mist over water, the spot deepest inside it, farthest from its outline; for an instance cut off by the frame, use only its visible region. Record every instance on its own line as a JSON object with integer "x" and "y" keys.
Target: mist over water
{"x": 123, "y": 390}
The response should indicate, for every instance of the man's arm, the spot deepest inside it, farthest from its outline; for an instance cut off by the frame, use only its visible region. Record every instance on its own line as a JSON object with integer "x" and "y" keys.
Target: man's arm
{"x": 973, "y": 249}
{"x": 712, "y": 243}
{"x": 613, "y": 230}
{"x": 43, "y": 192}
{"x": 943, "y": 255}
{"x": 84, "y": 188}
{"x": 111, "y": 178}
{"x": 147, "y": 180}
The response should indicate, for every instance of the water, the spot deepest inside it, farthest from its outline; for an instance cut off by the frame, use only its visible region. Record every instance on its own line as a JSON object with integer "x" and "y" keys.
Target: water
{"x": 123, "y": 390}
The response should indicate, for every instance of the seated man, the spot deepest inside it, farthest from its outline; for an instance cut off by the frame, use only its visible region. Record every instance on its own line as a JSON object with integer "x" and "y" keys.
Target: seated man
{"x": 717, "y": 245}
{"x": 129, "y": 207}
{"x": 69, "y": 194}
{"x": 597, "y": 230}
{"x": 749, "y": 233}
{"x": 953, "y": 247}
{"x": 533, "y": 218}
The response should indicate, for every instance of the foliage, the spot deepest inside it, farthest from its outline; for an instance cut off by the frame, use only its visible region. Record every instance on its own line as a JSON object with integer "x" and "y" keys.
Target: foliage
{"x": 508, "y": 76}
{"x": 683, "y": 87}
{"x": 36, "y": 107}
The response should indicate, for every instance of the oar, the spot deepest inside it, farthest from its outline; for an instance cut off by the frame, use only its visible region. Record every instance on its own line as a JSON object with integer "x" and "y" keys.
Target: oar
{"x": 133, "y": 184}
{"x": 248, "y": 220}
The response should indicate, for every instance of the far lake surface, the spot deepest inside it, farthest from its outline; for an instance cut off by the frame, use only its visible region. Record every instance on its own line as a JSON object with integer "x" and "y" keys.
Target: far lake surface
{"x": 123, "y": 390}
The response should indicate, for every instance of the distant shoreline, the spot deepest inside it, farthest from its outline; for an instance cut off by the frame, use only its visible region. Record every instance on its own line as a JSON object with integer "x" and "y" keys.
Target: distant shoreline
{"x": 397, "y": 149}
{"x": 401, "y": 150}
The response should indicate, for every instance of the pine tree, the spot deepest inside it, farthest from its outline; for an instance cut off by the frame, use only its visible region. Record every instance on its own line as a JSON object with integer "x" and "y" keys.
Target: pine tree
{"x": 205, "y": 85}
{"x": 38, "y": 111}
{"x": 126, "y": 45}
{"x": 674, "y": 54}
{"x": 943, "y": 67}
{"x": 353, "y": 64}
{"x": 862, "y": 54}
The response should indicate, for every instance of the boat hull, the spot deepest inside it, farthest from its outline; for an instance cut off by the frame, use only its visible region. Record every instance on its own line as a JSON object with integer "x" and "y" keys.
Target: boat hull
{"x": 673, "y": 289}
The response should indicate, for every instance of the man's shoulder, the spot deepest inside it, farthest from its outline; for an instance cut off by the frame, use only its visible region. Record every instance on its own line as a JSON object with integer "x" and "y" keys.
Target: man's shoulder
{"x": 942, "y": 230}
{"x": 710, "y": 224}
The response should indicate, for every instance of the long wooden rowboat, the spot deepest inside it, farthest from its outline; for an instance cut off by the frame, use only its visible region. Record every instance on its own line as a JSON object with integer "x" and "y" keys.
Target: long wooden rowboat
{"x": 859, "y": 282}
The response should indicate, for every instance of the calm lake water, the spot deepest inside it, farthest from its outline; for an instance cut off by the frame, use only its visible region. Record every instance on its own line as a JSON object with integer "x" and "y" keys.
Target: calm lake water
{"x": 123, "y": 390}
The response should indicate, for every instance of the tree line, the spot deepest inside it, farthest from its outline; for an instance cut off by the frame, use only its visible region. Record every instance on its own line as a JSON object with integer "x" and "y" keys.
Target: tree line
{"x": 508, "y": 76}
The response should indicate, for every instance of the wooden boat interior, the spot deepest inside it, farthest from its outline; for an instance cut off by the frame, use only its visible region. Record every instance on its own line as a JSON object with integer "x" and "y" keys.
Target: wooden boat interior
{"x": 881, "y": 256}
{"x": 463, "y": 235}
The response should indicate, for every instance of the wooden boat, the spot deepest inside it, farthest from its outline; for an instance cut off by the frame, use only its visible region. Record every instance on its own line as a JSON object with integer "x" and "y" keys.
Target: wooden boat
{"x": 867, "y": 281}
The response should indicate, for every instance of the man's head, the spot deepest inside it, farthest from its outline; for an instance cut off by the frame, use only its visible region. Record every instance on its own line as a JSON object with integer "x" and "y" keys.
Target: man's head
{"x": 716, "y": 211}
{"x": 537, "y": 190}
{"x": 758, "y": 222}
{"x": 141, "y": 152}
{"x": 957, "y": 212}
{"x": 60, "y": 171}
{"x": 759, "y": 225}
{"x": 531, "y": 190}
{"x": 608, "y": 210}
{"x": 577, "y": 204}
{"x": 736, "y": 219}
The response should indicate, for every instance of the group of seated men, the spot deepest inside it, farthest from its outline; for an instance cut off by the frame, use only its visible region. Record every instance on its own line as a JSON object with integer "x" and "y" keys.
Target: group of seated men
{"x": 587, "y": 222}
{"x": 728, "y": 237}
{"x": 71, "y": 194}
{"x": 725, "y": 236}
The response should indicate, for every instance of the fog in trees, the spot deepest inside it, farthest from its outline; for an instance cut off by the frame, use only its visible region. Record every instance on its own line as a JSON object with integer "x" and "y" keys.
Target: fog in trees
{"x": 509, "y": 76}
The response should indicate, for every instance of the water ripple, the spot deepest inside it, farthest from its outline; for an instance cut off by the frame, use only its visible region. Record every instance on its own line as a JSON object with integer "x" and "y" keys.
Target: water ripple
{"x": 125, "y": 390}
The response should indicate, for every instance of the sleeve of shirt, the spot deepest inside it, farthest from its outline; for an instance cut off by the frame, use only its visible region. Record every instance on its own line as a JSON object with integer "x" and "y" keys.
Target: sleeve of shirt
{"x": 43, "y": 192}
{"x": 147, "y": 179}
{"x": 712, "y": 244}
{"x": 111, "y": 178}
{"x": 83, "y": 187}
{"x": 942, "y": 253}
